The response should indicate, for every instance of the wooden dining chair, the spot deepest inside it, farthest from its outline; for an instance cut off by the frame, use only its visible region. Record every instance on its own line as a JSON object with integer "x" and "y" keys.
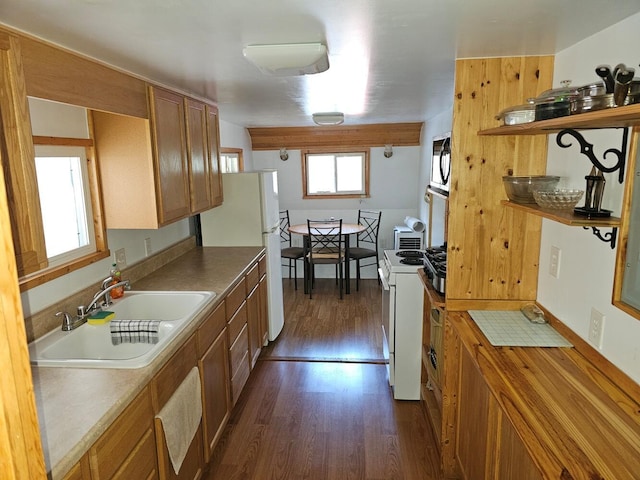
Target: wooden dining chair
{"x": 325, "y": 246}
{"x": 366, "y": 246}
{"x": 288, "y": 252}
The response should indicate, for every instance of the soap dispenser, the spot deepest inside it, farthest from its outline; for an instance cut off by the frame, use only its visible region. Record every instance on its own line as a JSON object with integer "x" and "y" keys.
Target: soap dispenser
{"x": 117, "y": 292}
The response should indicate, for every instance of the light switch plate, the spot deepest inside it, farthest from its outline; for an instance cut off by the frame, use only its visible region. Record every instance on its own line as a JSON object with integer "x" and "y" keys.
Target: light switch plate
{"x": 554, "y": 262}
{"x": 596, "y": 328}
{"x": 147, "y": 247}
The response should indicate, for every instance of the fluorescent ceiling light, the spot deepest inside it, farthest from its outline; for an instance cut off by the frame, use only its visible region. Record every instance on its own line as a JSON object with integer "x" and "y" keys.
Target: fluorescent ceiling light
{"x": 288, "y": 58}
{"x": 328, "y": 118}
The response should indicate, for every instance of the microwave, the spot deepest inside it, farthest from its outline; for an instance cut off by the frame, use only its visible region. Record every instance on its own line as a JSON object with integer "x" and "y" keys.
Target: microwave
{"x": 441, "y": 164}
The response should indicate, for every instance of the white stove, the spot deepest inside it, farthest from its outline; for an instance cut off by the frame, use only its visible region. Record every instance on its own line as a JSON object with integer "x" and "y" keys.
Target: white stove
{"x": 402, "y": 301}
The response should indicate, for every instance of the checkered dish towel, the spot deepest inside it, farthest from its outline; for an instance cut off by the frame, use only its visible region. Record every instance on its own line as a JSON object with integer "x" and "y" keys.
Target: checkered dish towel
{"x": 134, "y": 331}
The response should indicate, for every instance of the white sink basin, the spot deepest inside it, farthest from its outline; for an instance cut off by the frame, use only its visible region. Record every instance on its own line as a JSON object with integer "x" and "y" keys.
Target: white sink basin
{"x": 91, "y": 345}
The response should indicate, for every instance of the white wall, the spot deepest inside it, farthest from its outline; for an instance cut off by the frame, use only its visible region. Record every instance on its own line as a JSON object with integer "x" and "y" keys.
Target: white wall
{"x": 394, "y": 188}
{"x": 587, "y": 264}
{"x": 234, "y": 136}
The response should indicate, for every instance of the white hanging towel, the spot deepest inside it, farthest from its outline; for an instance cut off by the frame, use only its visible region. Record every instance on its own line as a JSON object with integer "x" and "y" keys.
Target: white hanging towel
{"x": 180, "y": 418}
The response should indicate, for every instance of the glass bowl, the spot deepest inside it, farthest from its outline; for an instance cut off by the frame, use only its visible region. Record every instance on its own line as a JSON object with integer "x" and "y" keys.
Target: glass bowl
{"x": 559, "y": 199}
{"x": 520, "y": 189}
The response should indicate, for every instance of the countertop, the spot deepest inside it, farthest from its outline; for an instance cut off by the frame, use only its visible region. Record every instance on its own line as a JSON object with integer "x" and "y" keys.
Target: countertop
{"x": 574, "y": 420}
{"x": 76, "y": 405}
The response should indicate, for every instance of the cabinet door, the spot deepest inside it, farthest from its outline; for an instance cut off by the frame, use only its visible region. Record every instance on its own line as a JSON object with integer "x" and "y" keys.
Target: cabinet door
{"x": 214, "y": 155}
{"x": 473, "y": 420}
{"x": 216, "y": 391}
{"x": 514, "y": 461}
{"x": 253, "y": 321}
{"x": 164, "y": 384}
{"x": 199, "y": 160}
{"x": 170, "y": 159}
{"x": 127, "y": 449}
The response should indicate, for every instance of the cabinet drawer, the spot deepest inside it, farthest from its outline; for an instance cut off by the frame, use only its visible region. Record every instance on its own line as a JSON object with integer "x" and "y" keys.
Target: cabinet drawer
{"x": 235, "y": 298}
{"x": 122, "y": 438}
{"x": 240, "y": 378}
{"x": 236, "y": 324}
{"x": 211, "y": 328}
{"x": 238, "y": 351}
{"x": 169, "y": 378}
{"x": 262, "y": 266}
{"x": 252, "y": 277}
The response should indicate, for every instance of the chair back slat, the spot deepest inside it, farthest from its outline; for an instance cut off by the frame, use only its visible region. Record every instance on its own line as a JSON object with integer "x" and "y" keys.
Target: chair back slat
{"x": 371, "y": 221}
{"x": 285, "y": 234}
{"x": 325, "y": 239}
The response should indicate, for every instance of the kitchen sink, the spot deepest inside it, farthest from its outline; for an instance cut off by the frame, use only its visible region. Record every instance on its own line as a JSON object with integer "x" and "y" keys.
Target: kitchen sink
{"x": 91, "y": 346}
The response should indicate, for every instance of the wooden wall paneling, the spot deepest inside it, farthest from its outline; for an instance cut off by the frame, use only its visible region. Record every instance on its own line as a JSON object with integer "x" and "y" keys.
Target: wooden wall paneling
{"x": 19, "y": 161}
{"x": 20, "y": 447}
{"x": 500, "y": 260}
{"x": 396, "y": 134}
{"x": 54, "y": 73}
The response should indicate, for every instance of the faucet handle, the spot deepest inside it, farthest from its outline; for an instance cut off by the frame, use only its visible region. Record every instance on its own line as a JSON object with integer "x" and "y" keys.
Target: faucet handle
{"x": 67, "y": 321}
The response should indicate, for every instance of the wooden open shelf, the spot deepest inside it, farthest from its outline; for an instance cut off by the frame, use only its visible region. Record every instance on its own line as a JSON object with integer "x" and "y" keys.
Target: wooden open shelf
{"x": 566, "y": 217}
{"x": 617, "y": 117}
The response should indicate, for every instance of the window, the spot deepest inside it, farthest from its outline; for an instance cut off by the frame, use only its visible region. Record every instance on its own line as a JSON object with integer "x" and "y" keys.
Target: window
{"x": 65, "y": 202}
{"x": 332, "y": 174}
{"x": 231, "y": 160}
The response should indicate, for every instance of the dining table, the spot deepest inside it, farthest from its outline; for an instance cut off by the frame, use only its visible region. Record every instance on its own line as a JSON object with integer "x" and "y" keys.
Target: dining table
{"x": 348, "y": 229}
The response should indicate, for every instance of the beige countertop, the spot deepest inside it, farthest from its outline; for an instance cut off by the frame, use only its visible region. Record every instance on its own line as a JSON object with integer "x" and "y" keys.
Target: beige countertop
{"x": 76, "y": 405}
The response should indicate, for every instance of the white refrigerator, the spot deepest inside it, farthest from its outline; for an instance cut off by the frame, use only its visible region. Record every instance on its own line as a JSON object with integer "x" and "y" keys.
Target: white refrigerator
{"x": 249, "y": 216}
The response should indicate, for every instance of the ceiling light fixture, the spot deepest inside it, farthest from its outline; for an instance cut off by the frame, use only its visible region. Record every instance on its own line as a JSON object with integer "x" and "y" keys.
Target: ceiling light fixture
{"x": 288, "y": 58}
{"x": 328, "y": 118}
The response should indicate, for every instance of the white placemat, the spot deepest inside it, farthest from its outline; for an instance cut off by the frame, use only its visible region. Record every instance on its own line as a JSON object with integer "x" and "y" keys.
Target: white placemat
{"x": 506, "y": 328}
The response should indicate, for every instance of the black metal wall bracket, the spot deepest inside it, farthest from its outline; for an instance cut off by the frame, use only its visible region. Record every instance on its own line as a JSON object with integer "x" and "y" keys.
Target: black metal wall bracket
{"x": 609, "y": 237}
{"x": 586, "y": 149}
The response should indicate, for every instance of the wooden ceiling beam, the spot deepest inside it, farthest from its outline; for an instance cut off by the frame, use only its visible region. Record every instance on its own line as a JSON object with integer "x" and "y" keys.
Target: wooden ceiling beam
{"x": 376, "y": 135}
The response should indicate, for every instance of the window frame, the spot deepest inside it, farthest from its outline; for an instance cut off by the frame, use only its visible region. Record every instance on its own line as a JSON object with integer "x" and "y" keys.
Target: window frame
{"x": 335, "y": 150}
{"x": 236, "y": 151}
{"x": 49, "y": 273}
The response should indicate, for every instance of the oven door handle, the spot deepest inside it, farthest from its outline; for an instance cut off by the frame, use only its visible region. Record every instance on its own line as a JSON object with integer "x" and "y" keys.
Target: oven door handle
{"x": 383, "y": 279}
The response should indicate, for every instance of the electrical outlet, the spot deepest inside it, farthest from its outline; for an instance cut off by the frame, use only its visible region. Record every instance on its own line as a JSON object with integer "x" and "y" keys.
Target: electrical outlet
{"x": 596, "y": 328}
{"x": 147, "y": 247}
{"x": 554, "y": 262}
{"x": 120, "y": 258}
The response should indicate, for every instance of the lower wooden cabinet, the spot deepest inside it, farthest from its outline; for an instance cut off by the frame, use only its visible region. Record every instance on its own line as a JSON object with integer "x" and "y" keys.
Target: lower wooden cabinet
{"x": 127, "y": 449}
{"x": 163, "y": 386}
{"x": 487, "y": 445}
{"x": 213, "y": 350}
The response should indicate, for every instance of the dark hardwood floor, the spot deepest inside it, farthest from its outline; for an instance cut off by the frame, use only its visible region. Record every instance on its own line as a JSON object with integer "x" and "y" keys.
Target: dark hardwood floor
{"x": 318, "y": 405}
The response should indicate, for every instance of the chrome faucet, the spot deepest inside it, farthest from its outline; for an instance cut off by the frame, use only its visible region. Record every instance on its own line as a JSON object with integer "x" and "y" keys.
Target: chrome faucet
{"x": 70, "y": 323}
{"x": 106, "y": 293}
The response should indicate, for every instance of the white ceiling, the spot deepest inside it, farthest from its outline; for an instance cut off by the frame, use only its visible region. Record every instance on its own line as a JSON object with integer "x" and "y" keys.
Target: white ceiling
{"x": 390, "y": 60}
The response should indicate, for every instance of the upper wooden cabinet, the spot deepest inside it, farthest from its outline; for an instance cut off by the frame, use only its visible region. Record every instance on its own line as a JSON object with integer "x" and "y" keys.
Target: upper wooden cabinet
{"x": 157, "y": 171}
{"x": 169, "y": 145}
{"x": 18, "y": 160}
{"x": 199, "y": 159}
